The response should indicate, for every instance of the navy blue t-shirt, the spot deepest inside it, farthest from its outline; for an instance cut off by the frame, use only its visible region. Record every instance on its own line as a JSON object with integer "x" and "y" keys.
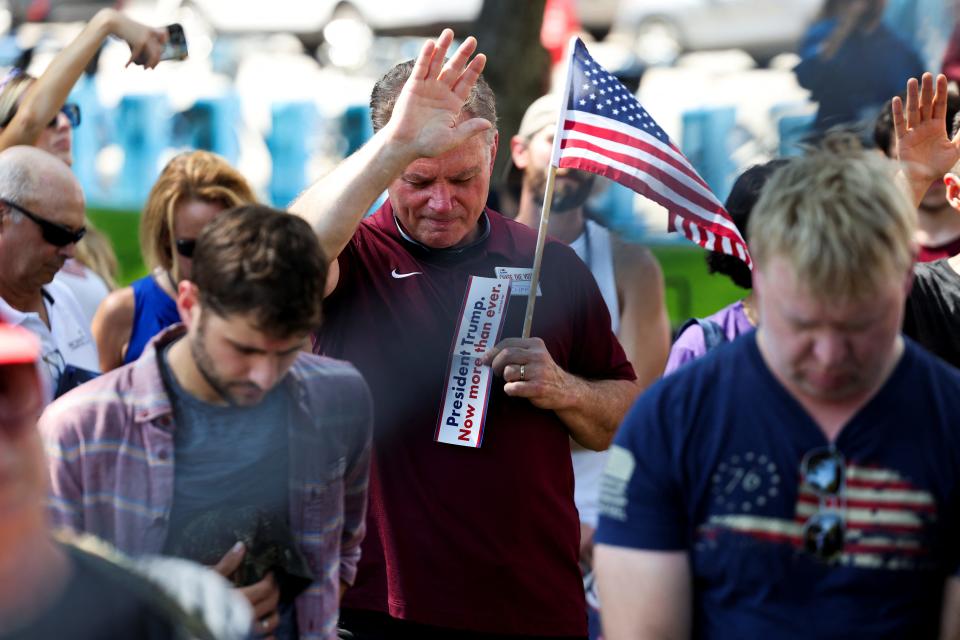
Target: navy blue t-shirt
{"x": 708, "y": 461}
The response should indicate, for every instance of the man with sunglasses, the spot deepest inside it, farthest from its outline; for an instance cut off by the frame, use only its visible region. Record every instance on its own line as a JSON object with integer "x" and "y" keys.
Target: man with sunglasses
{"x": 41, "y": 220}
{"x": 803, "y": 480}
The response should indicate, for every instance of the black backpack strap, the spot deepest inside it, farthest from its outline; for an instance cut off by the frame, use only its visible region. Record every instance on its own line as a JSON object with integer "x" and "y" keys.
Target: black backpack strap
{"x": 713, "y": 335}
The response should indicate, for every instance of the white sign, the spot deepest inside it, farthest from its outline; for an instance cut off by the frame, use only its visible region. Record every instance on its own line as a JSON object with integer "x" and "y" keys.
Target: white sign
{"x": 467, "y": 393}
{"x": 520, "y": 279}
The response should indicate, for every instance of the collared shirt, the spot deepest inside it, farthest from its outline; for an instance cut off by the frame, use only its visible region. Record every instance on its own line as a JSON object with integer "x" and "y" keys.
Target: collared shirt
{"x": 110, "y": 445}
{"x": 66, "y": 341}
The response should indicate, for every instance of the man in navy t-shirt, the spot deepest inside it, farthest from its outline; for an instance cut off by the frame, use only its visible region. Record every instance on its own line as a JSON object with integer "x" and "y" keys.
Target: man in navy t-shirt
{"x": 801, "y": 481}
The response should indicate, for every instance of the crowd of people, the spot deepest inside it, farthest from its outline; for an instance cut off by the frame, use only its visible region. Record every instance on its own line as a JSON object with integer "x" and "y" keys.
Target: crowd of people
{"x": 247, "y": 441}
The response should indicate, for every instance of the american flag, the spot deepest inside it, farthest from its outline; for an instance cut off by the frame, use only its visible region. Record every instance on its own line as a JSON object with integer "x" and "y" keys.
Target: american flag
{"x": 606, "y": 131}
{"x": 888, "y": 520}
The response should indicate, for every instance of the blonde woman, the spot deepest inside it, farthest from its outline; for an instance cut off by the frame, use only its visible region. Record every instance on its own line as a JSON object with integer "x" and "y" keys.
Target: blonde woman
{"x": 192, "y": 189}
{"x": 33, "y": 112}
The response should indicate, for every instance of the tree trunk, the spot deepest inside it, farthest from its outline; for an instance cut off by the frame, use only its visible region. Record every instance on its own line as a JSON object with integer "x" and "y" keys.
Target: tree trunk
{"x": 518, "y": 67}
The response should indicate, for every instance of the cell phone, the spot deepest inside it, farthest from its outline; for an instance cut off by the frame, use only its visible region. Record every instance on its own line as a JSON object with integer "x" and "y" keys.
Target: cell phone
{"x": 176, "y": 47}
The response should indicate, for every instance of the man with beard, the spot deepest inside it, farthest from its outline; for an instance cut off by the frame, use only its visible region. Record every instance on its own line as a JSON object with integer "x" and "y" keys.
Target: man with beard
{"x": 938, "y": 221}
{"x": 628, "y": 275}
{"x": 225, "y": 414}
{"x": 41, "y": 221}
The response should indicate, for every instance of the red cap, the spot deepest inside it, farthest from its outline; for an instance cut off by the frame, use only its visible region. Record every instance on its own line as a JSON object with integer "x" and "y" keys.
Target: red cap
{"x": 17, "y": 345}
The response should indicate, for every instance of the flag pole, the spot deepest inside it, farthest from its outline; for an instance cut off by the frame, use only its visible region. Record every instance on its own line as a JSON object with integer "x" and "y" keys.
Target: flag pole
{"x": 548, "y": 195}
{"x": 538, "y": 255}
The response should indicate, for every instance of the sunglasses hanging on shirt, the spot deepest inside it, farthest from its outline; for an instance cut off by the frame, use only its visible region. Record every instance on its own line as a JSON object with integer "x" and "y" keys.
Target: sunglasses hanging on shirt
{"x": 824, "y": 532}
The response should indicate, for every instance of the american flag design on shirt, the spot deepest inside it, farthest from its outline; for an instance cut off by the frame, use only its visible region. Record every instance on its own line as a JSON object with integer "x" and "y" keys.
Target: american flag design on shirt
{"x": 886, "y": 516}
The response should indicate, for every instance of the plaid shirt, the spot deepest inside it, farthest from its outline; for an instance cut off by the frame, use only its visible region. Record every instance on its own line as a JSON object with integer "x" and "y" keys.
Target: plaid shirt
{"x": 110, "y": 445}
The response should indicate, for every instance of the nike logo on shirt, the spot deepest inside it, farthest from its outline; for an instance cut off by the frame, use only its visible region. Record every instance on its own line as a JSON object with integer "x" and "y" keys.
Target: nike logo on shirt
{"x": 399, "y": 276}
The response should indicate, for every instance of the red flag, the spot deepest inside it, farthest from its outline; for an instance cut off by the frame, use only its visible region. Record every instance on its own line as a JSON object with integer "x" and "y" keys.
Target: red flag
{"x": 560, "y": 21}
{"x": 604, "y": 129}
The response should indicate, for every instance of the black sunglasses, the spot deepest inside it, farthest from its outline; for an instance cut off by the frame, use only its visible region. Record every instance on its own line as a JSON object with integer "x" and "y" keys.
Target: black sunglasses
{"x": 186, "y": 247}
{"x": 70, "y": 109}
{"x": 825, "y": 531}
{"x": 56, "y": 234}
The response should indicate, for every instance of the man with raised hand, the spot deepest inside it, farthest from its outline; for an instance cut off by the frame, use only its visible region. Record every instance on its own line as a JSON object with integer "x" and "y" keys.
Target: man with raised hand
{"x": 479, "y": 540}
{"x": 803, "y": 480}
{"x": 929, "y": 156}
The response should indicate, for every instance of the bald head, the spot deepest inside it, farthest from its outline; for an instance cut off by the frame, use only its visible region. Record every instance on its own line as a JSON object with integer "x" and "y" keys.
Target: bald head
{"x": 27, "y": 174}
{"x": 30, "y": 176}
{"x": 35, "y": 188}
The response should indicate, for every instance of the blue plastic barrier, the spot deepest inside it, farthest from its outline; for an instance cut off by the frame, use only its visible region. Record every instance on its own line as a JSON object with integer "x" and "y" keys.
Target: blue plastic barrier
{"x": 143, "y": 127}
{"x": 706, "y": 134}
{"x": 91, "y": 136}
{"x": 214, "y": 123}
{"x": 356, "y": 127}
{"x": 293, "y": 124}
{"x": 793, "y": 129}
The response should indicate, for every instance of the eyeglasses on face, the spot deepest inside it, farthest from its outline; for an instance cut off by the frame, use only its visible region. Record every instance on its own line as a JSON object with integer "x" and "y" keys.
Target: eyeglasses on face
{"x": 56, "y": 234}
{"x": 186, "y": 247}
{"x": 72, "y": 111}
{"x": 824, "y": 532}
{"x": 69, "y": 109}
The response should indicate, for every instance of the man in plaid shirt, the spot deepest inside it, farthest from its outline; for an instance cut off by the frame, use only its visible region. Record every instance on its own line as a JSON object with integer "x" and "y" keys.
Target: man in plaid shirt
{"x": 225, "y": 431}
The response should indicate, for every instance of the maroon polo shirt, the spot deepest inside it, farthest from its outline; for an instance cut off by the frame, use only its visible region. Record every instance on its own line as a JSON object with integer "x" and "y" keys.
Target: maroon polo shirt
{"x": 476, "y": 539}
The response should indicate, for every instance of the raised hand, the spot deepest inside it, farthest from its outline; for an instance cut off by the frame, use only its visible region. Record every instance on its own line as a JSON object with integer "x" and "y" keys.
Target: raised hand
{"x": 427, "y": 116}
{"x": 146, "y": 43}
{"x": 925, "y": 150}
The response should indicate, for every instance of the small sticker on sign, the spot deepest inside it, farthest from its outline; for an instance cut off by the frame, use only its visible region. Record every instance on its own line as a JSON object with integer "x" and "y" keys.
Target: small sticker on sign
{"x": 520, "y": 280}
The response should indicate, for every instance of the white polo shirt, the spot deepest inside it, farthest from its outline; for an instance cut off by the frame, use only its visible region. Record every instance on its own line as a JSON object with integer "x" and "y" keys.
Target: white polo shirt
{"x": 67, "y": 341}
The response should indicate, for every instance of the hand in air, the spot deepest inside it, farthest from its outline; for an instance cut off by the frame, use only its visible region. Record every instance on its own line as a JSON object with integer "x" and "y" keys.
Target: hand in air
{"x": 146, "y": 43}
{"x": 925, "y": 150}
{"x": 427, "y": 115}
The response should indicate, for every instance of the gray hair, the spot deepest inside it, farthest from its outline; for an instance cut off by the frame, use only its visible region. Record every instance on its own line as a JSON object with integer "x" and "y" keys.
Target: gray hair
{"x": 481, "y": 103}
{"x": 19, "y": 181}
